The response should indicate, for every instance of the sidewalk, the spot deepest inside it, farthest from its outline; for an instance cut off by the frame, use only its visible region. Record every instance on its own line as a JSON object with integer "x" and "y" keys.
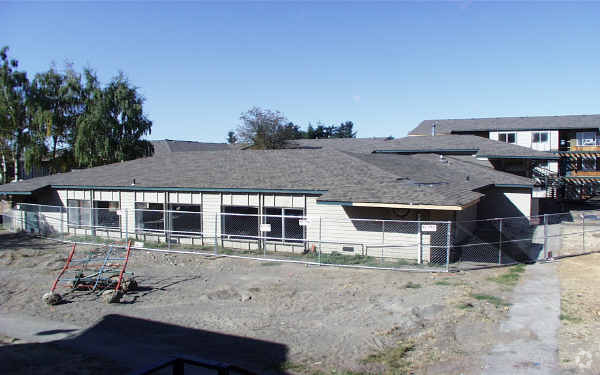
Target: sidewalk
{"x": 528, "y": 340}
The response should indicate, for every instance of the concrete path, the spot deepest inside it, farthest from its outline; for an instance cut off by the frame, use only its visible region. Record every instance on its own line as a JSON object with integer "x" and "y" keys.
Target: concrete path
{"x": 34, "y": 329}
{"x": 528, "y": 340}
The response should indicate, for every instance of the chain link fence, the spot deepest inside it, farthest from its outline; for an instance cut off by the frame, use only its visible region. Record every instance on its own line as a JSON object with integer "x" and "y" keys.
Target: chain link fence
{"x": 288, "y": 235}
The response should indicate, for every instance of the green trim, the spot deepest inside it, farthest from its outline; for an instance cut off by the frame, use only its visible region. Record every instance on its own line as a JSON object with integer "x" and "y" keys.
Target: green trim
{"x": 456, "y": 131}
{"x": 335, "y": 203}
{"x": 465, "y": 151}
{"x": 552, "y": 157}
{"x": 230, "y": 190}
{"x": 15, "y": 192}
{"x": 581, "y": 177}
{"x": 578, "y": 152}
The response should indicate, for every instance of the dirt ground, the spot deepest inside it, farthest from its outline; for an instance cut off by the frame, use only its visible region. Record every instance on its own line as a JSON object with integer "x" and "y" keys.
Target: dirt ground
{"x": 326, "y": 319}
{"x": 579, "y": 341}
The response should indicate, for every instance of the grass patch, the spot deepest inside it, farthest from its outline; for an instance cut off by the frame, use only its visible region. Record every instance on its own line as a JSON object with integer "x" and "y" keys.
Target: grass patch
{"x": 411, "y": 285}
{"x": 442, "y": 282}
{"x": 569, "y": 318}
{"x": 497, "y": 301}
{"x": 394, "y": 358}
{"x": 510, "y": 278}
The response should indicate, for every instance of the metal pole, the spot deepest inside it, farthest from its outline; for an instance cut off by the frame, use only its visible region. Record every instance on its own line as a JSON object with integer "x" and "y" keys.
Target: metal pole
{"x": 382, "y": 238}
{"x": 126, "y": 225}
{"x": 448, "y": 245}
{"x": 500, "y": 244}
{"x": 216, "y": 240}
{"x": 39, "y": 220}
{"x": 583, "y": 233}
{"x": 320, "y": 244}
{"x": 545, "y": 236}
{"x": 420, "y": 243}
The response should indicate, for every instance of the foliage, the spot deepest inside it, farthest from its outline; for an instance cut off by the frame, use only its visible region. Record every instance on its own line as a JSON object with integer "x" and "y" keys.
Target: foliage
{"x": 61, "y": 120}
{"x": 231, "y": 138}
{"x": 497, "y": 301}
{"x": 111, "y": 127}
{"x": 267, "y": 129}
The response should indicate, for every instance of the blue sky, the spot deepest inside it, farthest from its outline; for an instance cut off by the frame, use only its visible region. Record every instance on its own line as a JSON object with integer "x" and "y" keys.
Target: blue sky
{"x": 384, "y": 66}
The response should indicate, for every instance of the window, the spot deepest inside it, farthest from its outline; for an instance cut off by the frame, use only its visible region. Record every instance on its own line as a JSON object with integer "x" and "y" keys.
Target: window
{"x": 149, "y": 217}
{"x": 588, "y": 164}
{"x": 587, "y": 139}
{"x": 285, "y": 224}
{"x": 78, "y": 212}
{"x": 239, "y": 222}
{"x": 185, "y": 219}
{"x": 539, "y": 137}
{"x": 106, "y": 214}
{"x": 508, "y": 137}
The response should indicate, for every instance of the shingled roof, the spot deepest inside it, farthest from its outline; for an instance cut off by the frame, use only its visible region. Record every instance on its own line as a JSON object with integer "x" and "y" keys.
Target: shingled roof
{"x": 444, "y": 144}
{"x": 450, "y": 126}
{"x": 339, "y": 176}
{"x": 166, "y": 146}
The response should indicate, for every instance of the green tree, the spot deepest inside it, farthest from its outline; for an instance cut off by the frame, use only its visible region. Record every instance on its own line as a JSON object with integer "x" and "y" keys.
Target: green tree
{"x": 57, "y": 104}
{"x": 231, "y": 138}
{"x": 264, "y": 129}
{"x": 345, "y": 130}
{"x": 14, "y": 114}
{"x": 112, "y": 124}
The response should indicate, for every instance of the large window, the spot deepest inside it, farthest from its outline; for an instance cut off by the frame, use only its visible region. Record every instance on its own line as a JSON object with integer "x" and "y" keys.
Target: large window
{"x": 587, "y": 139}
{"x": 239, "y": 222}
{"x": 106, "y": 214}
{"x": 185, "y": 219}
{"x": 78, "y": 212}
{"x": 588, "y": 164}
{"x": 149, "y": 217}
{"x": 508, "y": 137}
{"x": 285, "y": 224}
{"x": 539, "y": 137}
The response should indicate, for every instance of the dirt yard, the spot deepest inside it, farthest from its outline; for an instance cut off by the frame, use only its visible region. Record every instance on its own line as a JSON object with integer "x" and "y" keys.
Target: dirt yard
{"x": 579, "y": 344}
{"x": 319, "y": 320}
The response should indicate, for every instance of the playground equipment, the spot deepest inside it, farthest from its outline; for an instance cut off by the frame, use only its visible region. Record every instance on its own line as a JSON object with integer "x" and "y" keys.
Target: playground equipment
{"x": 102, "y": 269}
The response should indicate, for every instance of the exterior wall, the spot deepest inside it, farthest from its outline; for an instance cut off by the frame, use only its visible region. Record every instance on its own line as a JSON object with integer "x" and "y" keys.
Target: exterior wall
{"x": 524, "y": 138}
{"x": 377, "y": 232}
{"x": 505, "y": 202}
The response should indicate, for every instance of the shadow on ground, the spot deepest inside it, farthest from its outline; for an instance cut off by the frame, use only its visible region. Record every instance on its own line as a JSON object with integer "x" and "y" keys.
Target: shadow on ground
{"x": 11, "y": 241}
{"x": 121, "y": 344}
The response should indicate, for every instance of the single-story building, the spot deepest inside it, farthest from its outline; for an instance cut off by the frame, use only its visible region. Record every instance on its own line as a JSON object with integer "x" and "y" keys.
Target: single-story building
{"x": 372, "y": 197}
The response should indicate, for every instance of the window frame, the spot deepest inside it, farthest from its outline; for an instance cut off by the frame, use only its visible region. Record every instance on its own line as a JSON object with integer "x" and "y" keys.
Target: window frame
{"x": 540, "y": 137}
{"x": 82, "y": 212}
{"x": 506, "y": 136}
{"x": 285, "y": 218}
{"x": 584, "y": 136}
{"x": 116, "y": 206}
{"x": 184, "y": 233}
{"x": 228, "y": 232}
{"x": 139, "y": 217}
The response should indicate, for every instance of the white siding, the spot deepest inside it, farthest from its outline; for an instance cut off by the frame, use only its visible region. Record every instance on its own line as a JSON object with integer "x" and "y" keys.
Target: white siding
{"x": 524, "y": 138}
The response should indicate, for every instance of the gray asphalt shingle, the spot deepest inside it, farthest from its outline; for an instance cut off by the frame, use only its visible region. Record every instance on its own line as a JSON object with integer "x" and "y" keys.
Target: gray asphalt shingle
{"x": 449, "y": 126}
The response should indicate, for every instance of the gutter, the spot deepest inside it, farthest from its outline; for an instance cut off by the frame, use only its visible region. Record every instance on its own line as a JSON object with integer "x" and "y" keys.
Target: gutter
{"x": 463, "y": 151}
{"x": 230, "y": 190}
{"x": 400, "y": 205}
{"x": 550, "y": 157}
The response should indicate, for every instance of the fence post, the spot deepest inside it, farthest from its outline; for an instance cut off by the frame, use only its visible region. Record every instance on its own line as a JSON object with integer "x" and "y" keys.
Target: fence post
{"x": 382, "y": 238}
{"x": 448, "y": 245}
{"x": 62, "y": 223}
{"x": 126, "y": 225}
{"x": 500, "y": 244}
{"x": 216, "y": 239}
{"x": 39, "y": 220}
{"x": 420, "y": 239}
{"x": 583, "y": 233}
{"x": 320, "y": 243}
{"x": 545, "y": 236}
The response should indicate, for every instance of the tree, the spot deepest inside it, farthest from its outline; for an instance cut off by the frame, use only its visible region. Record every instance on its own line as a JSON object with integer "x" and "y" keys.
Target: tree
{"x": 112, "y": 124}
{"x": 231, "y": 138}
{"x": 14, "y": 114}
{"x": 57, "y": 105}
{"x": 345, "y": 130}
{"x": 264, "y": 129}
